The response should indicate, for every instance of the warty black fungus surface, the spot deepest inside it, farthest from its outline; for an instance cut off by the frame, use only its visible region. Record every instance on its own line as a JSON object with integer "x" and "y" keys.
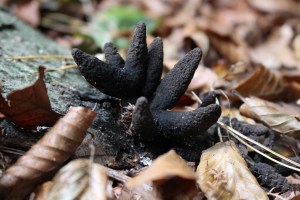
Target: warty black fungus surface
{"x": 258, "y": 133}
{"x": 284, "y": 171}
{"x": 138, "y": 79}
{"x": 269, "y": 178}
{"x": 138, "y": 76}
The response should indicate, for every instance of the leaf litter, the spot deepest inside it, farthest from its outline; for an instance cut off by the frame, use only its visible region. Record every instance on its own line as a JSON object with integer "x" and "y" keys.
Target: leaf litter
{"x": 79, "y": 179}
{"x": 46, "y": 156}
{"x": 29, "y": 107}
{"x": 274, "y": 116}
{"x": 224, "y": 174}
{"x": 227, "y": 32}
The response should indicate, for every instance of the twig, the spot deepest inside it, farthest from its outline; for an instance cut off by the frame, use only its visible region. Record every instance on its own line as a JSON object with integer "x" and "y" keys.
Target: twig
{"x": 237, "y": 135}
{"x": 12, "y": 151}
{"x": 196, "y": 97}
{"x": 65, "y": 67}
{"x": 277, "y": 196}
{"x": 30, "y": 57}
{"x": 114, "y": 174}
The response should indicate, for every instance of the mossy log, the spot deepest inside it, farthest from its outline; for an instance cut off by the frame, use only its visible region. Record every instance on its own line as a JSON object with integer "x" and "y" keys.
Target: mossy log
{"x": 65, "y": 88}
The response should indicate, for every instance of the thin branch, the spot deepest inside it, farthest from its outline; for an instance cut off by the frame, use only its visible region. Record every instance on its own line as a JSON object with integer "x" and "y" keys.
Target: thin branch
{"x": 30, "y": 57}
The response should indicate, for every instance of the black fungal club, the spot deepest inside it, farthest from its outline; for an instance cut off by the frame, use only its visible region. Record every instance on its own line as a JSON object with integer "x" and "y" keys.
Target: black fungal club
{"x": 138, "y": 79}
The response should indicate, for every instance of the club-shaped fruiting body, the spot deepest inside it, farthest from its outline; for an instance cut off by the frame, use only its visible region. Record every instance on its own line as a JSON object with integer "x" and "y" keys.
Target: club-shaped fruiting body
{"x": 269, "y": 178}
{"x": 139, "y": 78}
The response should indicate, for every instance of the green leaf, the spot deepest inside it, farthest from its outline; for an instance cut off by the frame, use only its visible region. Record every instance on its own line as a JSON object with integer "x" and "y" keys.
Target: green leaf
{"x": 117, "y": 19}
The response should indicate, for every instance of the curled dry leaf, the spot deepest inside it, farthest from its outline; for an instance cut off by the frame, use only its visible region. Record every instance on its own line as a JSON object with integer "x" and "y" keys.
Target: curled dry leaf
{"x": 41, "y": 191}
{"x": 232, "y": 50}
{"x": 223, "y": 174}
{"x": 29, "y": 107}
{"x": 276, "y": 52}
{"x": 290, "y": 195}
{"x": 204, "y": 79}
{"x": 44, "y": 158}
{"x": 296, "y": 45}
{"x": 79, "y": 179}
{"x": 235, "y": 113}
{"x": 186, "y": 14}
{"x": 170, "y": 175}
{"x": 278, "y": 6}
{"x": 279, "y": 118}
{"x": 261, "y": 82}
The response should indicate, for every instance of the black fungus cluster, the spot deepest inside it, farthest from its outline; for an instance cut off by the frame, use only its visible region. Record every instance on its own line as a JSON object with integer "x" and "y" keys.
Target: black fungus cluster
{"x": 138, "y": 80}
{"x": 269, "y": 178}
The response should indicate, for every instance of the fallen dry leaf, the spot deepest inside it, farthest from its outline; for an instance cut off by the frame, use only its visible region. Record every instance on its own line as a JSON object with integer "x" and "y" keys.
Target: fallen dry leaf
{"x": 290, "y": 75}
{"x": 156, "y": 8}
{"x": 221, "y": 69}
{"x": 290, "y": 195}
{"x": 80, "y": 179}
{"x": 233, "y": 50}
{"x": 279, "y": 118}
{"x": 29, "y": 107}
{"x": 223, "y": 174}
{"x": 29, "y": 11}
{"x": 227, "y": 18}
{"x": 187, "y": 13}
{"x": 276, "y": 51}
{"x": 40, "y": 193}
{"x": 49, "y": 153}
{"x": 194, "y": 38}
{"x": 204, "y": 79}
{"x": 296, "y": 46}
{"x": 261, "y": 82}
{"x": 235, "y": 113}
{"x": 170, "y": 175}
{"x": 278, "y": 6}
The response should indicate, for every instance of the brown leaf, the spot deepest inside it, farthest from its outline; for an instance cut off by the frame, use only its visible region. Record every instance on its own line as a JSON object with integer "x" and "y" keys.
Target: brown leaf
{"x": 186, "y": 14}
{"x": 261, "y": 82}
{"x": 233, "y": 50}
{"x": 29, "y": 11}
{"x": 29, "y": 107}
{"x": 156, "y": 8}
{"x": 236, "y": 72}
{"x": 204, "y": 78}
{"x": 40, "y": 193}
{"x": 278, "y": 6}
{"x": 170, "y": 175}
{"x": 79, "y": 179}
{"x": 47, "y": 155}
{"x": 276, "y": 51}
{"x": 194, "y": 38}
{"x": 228, "y": 18}
{"x": 296, "y": 45}
{"x": 278, "y": 118}
{"x": 223, "y": 174}
{"x": 185, "y": 103}
{"x": 289, "y": 195}
{"x": 221, "y": 69}
{"x": 290, "y": 75}
{"x": 235, "y": 113}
